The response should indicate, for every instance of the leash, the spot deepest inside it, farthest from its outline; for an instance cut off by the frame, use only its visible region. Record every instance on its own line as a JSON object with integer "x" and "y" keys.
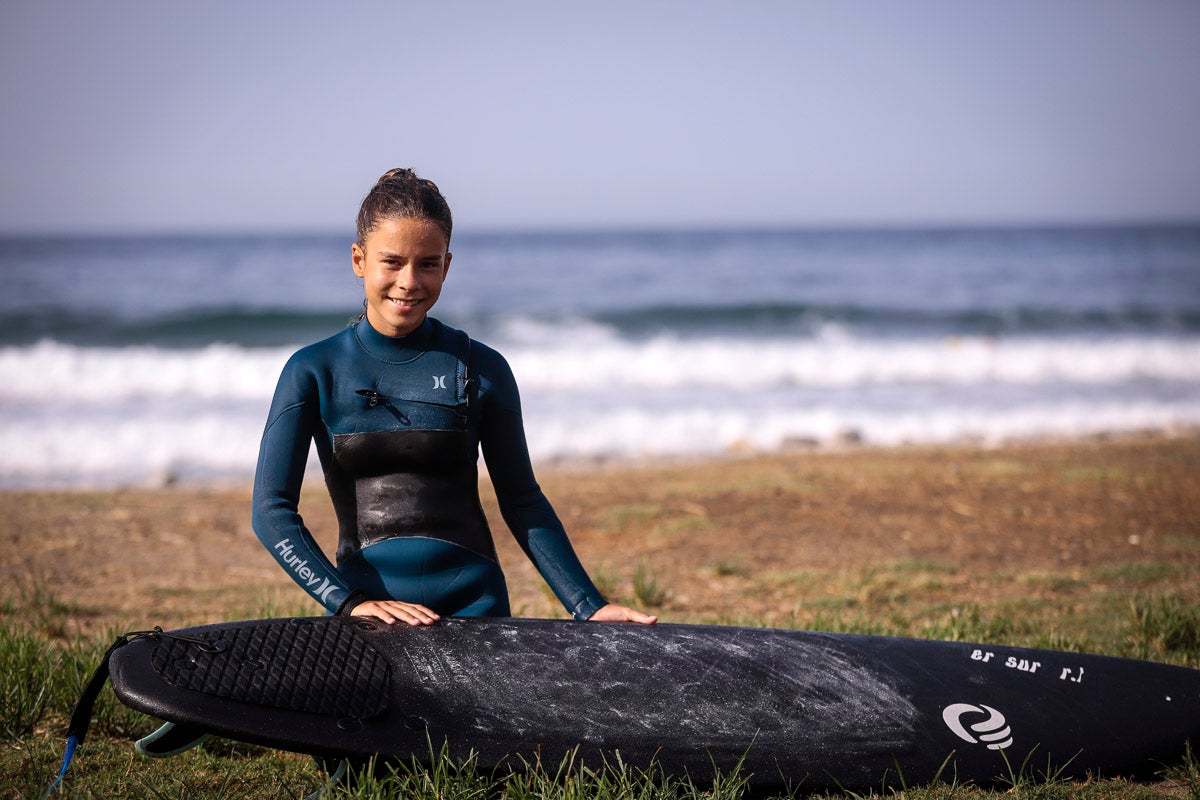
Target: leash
{"x": 81, "y": 716}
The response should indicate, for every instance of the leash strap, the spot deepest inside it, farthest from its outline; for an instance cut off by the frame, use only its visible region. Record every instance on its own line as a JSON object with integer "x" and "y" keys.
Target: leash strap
{"x": 81, "y": 716}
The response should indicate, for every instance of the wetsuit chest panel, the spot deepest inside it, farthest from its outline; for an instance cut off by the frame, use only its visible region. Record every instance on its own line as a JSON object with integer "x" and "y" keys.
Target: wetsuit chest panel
{"x": 415, "y": 483}
{"x": 370, "y": 453}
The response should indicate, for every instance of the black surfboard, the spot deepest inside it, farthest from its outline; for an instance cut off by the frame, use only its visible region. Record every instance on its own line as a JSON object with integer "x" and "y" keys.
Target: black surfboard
{"x": 792, "y": 707}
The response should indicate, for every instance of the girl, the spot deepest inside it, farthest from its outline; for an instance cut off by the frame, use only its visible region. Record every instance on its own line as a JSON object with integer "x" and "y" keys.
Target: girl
{"x": 399, "y": 406}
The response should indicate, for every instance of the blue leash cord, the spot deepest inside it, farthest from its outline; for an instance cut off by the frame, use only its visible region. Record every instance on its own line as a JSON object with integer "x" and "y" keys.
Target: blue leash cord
{"x": 72, "y": 742}
{"x": 81, "y": 716}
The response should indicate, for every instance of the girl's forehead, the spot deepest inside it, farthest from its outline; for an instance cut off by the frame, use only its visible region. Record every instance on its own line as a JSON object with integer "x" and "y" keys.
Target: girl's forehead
{"x": 407, "y": 233}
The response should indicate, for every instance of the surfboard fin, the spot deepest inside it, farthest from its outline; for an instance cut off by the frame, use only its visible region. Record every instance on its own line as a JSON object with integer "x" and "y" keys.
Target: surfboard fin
{"x": 333, "y": 781}
{"x": 170, "y": 739}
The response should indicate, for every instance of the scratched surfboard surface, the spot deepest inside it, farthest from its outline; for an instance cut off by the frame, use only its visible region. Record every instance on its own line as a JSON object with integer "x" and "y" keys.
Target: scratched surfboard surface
{"x": 808, "y": 708}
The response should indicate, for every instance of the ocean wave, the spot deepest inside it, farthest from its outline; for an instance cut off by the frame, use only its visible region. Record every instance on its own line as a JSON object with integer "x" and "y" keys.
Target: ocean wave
{"x": 55, "y": 373}
{"x": 641, "y": 432}
{"x": 135, "y": 445}
{"x": 749, "y": 319}
{"x": 160, "y": 362}
{"x": 837, "y": 359}
{"x": 593, "y": 359}
{"x": 183, "y": 328}
{"x": 82, "y": 416}
{"x": 152, "y": 444}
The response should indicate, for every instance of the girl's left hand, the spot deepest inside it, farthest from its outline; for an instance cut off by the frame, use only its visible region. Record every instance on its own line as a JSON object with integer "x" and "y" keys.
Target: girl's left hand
{"x": 391, "y": 611}
{"x": 615, "y": 613}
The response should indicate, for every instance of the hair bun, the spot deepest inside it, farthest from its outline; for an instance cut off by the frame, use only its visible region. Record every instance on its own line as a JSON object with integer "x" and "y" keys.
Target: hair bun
{"x": 401, "y": 194}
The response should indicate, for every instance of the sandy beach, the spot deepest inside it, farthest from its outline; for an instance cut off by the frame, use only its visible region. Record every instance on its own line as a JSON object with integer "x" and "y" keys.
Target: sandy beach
{"x": 779, "y": 538}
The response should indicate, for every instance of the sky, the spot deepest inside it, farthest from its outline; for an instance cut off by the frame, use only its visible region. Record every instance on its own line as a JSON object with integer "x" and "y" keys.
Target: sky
{"x": 143, "y": 116}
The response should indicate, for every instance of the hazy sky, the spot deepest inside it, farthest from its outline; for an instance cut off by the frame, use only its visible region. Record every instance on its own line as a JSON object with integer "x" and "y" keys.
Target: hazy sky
{"x": 174, "y": 116}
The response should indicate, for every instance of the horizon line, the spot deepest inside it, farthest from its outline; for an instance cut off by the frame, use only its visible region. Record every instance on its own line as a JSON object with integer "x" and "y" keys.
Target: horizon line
{"x": 571, "y": 229}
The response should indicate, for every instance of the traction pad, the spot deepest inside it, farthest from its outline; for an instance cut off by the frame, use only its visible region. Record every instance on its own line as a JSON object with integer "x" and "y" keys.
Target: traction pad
{"x": 327, "y": 669}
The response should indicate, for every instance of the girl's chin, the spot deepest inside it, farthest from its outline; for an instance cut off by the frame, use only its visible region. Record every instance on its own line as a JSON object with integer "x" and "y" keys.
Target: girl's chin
{"x": 397, "y": 324}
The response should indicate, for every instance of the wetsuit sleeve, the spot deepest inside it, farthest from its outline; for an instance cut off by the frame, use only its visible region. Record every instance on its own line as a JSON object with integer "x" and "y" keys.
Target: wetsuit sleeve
{"x": 293, "y": 419}
{"x": 524, "y": 507}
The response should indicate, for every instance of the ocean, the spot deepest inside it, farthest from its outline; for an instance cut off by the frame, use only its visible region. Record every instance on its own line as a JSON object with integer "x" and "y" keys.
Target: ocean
{"x": 134, "y": 361}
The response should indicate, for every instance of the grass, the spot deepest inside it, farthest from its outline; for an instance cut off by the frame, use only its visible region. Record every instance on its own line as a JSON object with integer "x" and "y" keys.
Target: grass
{"x": 43, "y": 665}
{"x": 727, "y": 568}
{"x": 1165, "y": 625}
{"x": 1083, "y": 610}
{"x": 647, "y": 590}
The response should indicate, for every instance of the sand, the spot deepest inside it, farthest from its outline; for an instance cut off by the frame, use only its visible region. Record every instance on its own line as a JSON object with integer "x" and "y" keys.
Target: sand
{"x": 758, "y": 537}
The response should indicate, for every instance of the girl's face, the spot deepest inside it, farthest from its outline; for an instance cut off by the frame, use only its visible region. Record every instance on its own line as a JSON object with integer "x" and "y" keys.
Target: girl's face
{"x": 402, "y": 263}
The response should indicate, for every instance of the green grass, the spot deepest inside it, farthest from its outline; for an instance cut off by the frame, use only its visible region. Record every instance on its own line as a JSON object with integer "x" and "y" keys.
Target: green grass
{"x": 1165, "y": 626}
{"x": 647, "y": 590}
{"x": 43, "y": 666}
{"x": 1140, "y": 574}
{"x": 1078, "y": 610}
{"x": 727, "y": 568}
{"x": 606, "y": 581}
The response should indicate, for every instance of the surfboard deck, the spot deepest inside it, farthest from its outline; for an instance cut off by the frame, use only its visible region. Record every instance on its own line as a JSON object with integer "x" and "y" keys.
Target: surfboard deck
{"x": 791, "y": 707}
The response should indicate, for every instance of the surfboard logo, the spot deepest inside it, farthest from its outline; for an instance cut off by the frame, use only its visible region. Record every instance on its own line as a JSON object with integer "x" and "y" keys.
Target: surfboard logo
{"x": 994, "y": 731}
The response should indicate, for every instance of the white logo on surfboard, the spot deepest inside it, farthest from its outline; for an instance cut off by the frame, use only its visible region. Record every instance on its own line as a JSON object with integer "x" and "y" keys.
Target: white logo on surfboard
{"x": 993, "y": 731}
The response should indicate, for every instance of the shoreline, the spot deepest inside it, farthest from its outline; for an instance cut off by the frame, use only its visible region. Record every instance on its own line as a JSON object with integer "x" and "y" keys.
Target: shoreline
{"x": 847, "y": 442}
{"x": 850, "y": 442}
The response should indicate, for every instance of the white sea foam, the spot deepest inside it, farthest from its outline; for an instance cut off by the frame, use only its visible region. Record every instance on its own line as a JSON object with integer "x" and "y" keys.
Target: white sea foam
{"x": 592, "y": 359}
{"x": 55, "y": 373}
{"x": 127, "y": 446}
{"x": 843, "y": 361}
{"x": 111, "y": 416}
{"x": 643, "y": 432}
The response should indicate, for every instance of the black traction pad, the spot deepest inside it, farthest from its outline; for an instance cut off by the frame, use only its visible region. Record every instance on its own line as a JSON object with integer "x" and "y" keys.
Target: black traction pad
{"x": 293, "y": 664}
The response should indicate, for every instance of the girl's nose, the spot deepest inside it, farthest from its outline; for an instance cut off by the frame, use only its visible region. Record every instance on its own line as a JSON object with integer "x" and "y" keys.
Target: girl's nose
{"x": 406, "y": 277}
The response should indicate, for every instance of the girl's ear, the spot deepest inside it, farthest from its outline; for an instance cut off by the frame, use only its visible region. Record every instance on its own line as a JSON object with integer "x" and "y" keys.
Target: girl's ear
{"x": 358, "y": 260}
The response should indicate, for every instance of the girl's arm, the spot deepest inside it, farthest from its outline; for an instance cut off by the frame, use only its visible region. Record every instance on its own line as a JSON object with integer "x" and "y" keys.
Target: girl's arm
{"x": 283, "y": 454}
{"x": 524, "y": 507}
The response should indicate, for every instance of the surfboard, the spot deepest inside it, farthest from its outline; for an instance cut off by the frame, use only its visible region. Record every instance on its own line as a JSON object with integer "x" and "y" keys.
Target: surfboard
{"x": 797, "y": 708}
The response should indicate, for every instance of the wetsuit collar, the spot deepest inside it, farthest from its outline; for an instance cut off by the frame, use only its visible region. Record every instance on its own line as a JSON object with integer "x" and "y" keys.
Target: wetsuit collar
{"x": 395, "y": 348}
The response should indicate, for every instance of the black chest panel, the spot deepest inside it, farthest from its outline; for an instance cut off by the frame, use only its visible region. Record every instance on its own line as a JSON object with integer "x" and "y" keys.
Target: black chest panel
{"x": 412, "y": 483}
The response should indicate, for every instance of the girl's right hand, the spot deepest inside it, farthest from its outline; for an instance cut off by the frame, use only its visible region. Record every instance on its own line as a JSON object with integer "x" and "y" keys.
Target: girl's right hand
{"x": 391, "y": 611}
{"x": 615, "y": 613}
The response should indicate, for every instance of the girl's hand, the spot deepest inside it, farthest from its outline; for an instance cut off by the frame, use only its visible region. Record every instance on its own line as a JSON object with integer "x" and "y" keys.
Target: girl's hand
{"x": 391, "y": 611}
{"x": 615, "y": 613}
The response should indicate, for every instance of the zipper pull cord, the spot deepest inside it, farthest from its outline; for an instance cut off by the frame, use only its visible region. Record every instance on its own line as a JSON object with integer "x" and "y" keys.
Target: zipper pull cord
{"x": 374, "y": 398}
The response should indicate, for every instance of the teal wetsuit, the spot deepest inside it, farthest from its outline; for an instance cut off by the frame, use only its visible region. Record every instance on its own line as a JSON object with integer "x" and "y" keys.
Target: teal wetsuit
{"x": 398, "y": 424}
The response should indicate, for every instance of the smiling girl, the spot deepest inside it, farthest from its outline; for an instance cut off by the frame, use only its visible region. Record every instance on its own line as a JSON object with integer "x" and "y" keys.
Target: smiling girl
{"x": 399, "y": 407}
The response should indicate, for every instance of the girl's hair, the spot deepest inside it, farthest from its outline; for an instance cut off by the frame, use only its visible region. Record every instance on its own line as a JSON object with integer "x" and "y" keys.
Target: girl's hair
{"x": 400, "y": 194}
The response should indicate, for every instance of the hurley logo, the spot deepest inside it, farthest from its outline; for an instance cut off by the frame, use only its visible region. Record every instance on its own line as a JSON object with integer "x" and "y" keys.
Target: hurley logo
{"x": 308, "y": 579}
{"x": 439, "y": 381}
